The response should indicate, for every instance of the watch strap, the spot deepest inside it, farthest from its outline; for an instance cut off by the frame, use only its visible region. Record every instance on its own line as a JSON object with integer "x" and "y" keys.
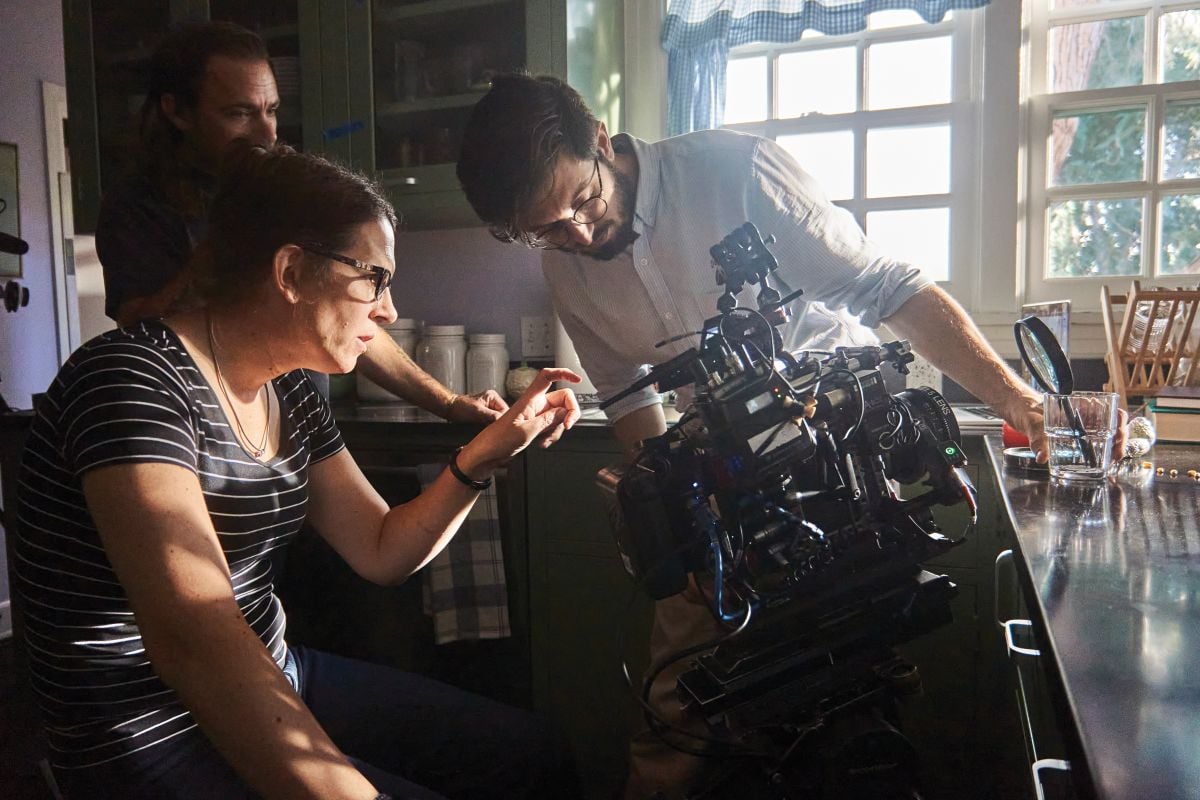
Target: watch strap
{"x": 464, "y": 478}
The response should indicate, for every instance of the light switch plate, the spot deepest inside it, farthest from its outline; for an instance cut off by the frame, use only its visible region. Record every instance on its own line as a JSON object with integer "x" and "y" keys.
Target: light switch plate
{"x": 537, "y": 336}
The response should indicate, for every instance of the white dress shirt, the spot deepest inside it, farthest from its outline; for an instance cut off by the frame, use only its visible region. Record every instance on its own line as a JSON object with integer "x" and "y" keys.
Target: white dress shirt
{"x": 692, "y": 191}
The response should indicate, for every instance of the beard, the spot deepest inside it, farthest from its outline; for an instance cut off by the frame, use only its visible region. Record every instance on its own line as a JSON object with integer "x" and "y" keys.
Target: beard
{"x": 619, "y": 231}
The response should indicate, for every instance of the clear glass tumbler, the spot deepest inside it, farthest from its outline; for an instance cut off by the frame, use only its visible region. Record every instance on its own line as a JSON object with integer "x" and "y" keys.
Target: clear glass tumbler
{"x": 1080, "y": 428}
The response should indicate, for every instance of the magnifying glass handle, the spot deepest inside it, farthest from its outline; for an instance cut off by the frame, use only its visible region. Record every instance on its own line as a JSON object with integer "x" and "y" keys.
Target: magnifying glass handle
{"x": 1089, "y": 457}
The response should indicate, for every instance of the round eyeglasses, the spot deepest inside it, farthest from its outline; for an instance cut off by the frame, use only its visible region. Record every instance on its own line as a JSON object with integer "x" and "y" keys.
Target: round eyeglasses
{"x": 557, "y": 234}
{"x": 381, "y": 277}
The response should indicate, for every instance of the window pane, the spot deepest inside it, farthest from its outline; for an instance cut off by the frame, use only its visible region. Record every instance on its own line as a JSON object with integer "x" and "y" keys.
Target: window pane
{"x": 919, "y": 236}
{"x": 1181, "y": 141}
{"x": 1096, "y": 55}
{"x": 746, "y": 90}
{"x": 823, "y": 81}
{"x": 828, "y": 157}
{"x": 1180, "y": 235}
{"x": 908, "y": 161}
{"x": 912, "y": 73}
{"x": 1094, "y": 237}
{"x": 1097, "y": 147}
{"x": 1179, "y": 44}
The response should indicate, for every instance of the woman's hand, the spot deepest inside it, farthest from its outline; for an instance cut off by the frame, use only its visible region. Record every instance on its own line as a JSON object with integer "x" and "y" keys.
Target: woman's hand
{"x": 538, "y": 415}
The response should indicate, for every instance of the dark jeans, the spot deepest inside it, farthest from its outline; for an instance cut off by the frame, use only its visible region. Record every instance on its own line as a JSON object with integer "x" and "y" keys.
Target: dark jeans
{"x": 390, "y": 723}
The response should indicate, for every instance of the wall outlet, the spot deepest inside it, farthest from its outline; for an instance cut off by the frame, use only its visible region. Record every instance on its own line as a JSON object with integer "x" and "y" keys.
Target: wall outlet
{"x": 537, "y": 337}
{"x": 922, "y": 373}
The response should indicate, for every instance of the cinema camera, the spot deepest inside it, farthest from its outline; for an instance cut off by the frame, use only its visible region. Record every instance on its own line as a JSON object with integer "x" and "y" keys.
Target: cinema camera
{"x": 779, "y": 490}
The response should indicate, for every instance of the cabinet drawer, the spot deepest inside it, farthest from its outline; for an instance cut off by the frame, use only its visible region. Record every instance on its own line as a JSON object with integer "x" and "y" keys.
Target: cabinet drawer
{"x": 1045, "y": 748}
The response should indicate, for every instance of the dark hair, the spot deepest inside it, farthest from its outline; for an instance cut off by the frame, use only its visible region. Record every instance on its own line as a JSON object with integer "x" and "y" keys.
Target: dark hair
{"x": 512, "y": 143}
{"x": 177, "y": 67}
{"x": 271, "y": 197}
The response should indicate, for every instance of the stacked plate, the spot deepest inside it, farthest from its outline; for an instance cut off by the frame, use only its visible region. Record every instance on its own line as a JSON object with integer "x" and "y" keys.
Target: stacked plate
{"x": 287, "y": 75}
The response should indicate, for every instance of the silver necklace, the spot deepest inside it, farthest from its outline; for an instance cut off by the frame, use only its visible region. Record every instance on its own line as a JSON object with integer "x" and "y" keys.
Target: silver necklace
{"x": 255, "y": 450}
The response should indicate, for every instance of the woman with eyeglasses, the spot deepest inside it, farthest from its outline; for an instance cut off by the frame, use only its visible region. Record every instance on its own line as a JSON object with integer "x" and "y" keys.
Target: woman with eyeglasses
{"x": 169, "y": 460}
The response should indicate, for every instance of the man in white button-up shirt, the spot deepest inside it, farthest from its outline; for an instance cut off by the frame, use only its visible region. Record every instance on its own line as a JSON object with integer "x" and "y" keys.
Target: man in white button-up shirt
{"x": 628, "y": 225}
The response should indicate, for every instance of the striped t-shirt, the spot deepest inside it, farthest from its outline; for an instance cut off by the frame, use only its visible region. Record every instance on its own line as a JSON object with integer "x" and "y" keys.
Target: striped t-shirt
{"x": 136, "y": 395}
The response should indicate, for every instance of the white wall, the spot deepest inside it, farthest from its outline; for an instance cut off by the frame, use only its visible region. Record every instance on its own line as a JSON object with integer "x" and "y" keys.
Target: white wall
{"x": 31, "y": 51}
{"x": 465, "y": 277}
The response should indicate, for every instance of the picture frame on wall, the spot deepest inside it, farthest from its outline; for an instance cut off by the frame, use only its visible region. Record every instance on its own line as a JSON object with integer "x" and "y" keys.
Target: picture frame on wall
{"x": 10, "y": 207}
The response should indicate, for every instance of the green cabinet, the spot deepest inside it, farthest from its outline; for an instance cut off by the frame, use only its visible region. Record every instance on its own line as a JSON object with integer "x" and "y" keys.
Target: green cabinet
{"x": 385, "y": 86}
{"x": 586, "y": 614}
{"x": 108, "y": 44}
{"x": 417, "y": 69}
{"x": 964, "y": 722}
{"x": 332, "y": 608}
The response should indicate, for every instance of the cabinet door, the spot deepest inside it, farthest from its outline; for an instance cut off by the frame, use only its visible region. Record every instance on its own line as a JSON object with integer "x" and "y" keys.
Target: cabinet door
{"x": 431, "y": 61}
{"x": 279, "y": 23}
{"x": 108, "y": 46}
{"x": 586, "y": 614}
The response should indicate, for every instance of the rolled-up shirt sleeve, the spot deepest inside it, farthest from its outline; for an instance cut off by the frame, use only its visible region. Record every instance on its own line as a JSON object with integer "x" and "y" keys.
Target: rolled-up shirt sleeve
{"x": 820, "y": 247}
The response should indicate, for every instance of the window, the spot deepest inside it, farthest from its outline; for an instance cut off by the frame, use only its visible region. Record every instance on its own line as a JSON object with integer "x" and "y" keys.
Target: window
{"x": 1114, "y": 146}
{"x": 885, "y": 120}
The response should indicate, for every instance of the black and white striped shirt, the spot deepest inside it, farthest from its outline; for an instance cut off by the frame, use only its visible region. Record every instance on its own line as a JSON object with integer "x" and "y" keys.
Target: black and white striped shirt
{"x": 136, "y": 395}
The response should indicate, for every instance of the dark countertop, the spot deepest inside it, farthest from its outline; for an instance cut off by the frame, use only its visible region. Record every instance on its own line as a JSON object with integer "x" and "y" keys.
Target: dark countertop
{"x": 1113, "y": 581}
{"x": 395, "y": 412}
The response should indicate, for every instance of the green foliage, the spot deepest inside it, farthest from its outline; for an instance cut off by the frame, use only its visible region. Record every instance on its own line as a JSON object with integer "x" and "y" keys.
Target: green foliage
{"x": 1103, "y": 237}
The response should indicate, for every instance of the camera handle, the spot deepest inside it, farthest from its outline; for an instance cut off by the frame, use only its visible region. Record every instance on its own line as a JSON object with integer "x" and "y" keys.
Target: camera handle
{"x": 742, "y": 257}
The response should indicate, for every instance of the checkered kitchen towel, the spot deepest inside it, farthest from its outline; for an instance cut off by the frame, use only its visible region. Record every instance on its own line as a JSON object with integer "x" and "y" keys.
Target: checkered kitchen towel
{"x": 465, "y": 589}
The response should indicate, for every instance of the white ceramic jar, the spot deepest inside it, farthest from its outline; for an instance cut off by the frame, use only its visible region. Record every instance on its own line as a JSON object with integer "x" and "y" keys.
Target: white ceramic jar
{"x": 403, "y": 333}
{"x": 487, "y": 363}
{"x": 442, "y": 353}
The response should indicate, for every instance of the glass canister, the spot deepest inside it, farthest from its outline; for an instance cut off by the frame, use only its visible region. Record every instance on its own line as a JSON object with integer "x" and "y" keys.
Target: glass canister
{"x": 403, "y": 333}
{"x": 442, "y": 353}
{"x": 487, "y": 363}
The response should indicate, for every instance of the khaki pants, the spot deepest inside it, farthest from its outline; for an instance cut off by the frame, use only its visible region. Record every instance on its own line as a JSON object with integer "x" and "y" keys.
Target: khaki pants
{"x": 656, "y": 770}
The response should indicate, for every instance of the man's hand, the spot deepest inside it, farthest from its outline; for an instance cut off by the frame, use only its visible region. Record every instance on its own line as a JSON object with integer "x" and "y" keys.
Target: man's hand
{"x": 483, "y": 407}
{"x": 1027, "y": 418}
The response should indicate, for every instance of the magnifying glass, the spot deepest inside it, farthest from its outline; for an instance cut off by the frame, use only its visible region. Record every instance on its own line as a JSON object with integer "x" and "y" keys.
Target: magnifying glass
{"x": 1051, "y": 371}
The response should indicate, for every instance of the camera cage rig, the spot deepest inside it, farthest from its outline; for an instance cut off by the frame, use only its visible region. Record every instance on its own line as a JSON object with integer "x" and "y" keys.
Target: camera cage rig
{"x": 778, "y": 489}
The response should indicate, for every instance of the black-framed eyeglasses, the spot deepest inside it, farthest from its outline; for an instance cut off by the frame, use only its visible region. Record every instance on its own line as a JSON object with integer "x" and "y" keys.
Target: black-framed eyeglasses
{"x": 381, "y": 277}
{"x": 557, "y": 234}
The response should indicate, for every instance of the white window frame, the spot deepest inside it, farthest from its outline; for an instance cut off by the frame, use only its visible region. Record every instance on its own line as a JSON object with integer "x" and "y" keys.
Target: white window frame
{"x": 994, "y": 255}
{"x": 961, "y": 113}
{"x": 1084, "y": 292}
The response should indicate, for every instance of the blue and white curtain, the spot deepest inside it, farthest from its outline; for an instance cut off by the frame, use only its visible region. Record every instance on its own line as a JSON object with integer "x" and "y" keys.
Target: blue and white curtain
{"x": 698, "y": 34}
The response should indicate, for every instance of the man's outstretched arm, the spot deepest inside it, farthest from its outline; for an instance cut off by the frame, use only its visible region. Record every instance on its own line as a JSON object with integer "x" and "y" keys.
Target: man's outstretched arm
{"x": 386, "y": 363}
{"x": 940, "y": 330}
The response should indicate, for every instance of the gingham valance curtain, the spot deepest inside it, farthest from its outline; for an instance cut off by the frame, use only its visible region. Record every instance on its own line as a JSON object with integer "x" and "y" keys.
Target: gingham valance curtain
{"x": 698, "y": 34}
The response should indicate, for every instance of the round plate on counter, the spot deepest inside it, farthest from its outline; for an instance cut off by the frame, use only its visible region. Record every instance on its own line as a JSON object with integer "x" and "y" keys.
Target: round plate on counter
{"x": 1024, "y": 461}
